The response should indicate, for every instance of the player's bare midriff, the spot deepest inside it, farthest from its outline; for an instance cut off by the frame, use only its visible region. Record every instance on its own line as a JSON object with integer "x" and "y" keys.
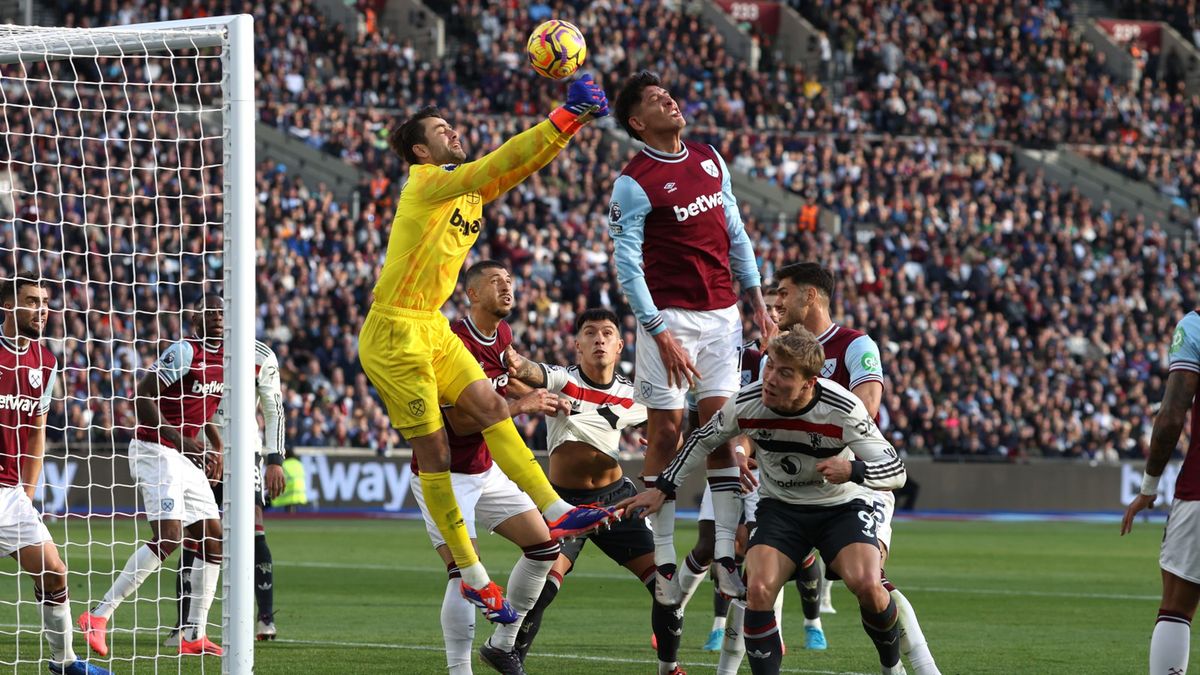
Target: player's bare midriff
{"x": 578, "y": 466}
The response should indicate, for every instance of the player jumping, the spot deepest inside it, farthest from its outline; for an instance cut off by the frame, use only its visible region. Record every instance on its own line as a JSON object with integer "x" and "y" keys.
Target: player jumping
{"x": 176, "y": 400}
{"x": 584, "y": 447}
{"x": 1180, "y": 556}
{"x": 820, "y": 455}
{"x": 677, "y": 233}
{"x": 408, "y": 351}
{"x": 28, "y": 371}
{"x": 483, "y": 492}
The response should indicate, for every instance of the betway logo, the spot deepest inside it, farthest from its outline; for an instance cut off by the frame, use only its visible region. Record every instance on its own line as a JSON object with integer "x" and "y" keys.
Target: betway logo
{"x": 21, "y": 404}
{"x": 702, "y": 204}
{"x": 353, "y": 483}
{"x": 208, "y": 389}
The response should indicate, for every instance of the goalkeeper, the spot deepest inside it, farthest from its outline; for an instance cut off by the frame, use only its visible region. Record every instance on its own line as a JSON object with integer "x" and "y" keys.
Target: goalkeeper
{"x": 406, "y": 347}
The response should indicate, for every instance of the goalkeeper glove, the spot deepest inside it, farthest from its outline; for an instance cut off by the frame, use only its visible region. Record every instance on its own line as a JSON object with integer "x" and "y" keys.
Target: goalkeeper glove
{"x": 585, "y": 100}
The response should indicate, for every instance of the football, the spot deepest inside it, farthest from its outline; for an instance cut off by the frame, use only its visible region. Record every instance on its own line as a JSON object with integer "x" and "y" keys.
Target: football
{"x": 556, "y": 49}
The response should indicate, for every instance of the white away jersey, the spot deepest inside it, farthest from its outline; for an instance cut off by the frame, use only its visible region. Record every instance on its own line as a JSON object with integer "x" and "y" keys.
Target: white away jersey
{"x": 598, "y": 411}
{"x": 789, "y": 447}
{"x": 270, "y": 398}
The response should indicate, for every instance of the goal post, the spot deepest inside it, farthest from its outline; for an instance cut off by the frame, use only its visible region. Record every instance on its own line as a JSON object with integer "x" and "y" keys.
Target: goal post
{"x": 130, "y": 106}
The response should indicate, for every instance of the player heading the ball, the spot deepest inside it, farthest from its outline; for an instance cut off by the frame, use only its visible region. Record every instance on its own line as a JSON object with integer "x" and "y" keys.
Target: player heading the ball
{"x": 407, "y": 349}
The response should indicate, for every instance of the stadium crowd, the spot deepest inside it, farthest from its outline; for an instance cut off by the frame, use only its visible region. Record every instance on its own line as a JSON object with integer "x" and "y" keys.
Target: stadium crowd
{"x": 1008, "y": 71}
{"x": 1017, "y": 319}
{"x": 1174, "y": 173}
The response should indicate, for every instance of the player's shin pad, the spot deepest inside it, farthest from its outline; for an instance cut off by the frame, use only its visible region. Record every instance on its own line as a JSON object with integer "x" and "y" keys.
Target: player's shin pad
{"x": 443, "y": 507}
{"x": 519, "y": 464}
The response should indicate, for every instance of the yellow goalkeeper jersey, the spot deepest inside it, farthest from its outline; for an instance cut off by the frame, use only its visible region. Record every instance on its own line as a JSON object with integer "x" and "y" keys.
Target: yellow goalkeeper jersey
{"x": 439, "y": 216}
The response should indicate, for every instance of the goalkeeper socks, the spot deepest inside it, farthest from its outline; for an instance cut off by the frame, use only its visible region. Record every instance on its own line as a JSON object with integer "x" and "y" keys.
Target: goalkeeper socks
{"x": 733, "y": 648}
{"x": 56, "y": 625}
{"x": 662, "y": 524}
{"x": 458, "y": 626}
{"x": 884, "y": 630}
{"x": 533, "y": 620}
{"x": 264, "y": 577}
{"x": 443, "y": 509}
{"x": 183, "y": 581}
{"x": 763, "y": 644}
{"x": 144, "y": 562}
{"x": 690, "y": 577}
{"x": 1169, "y": 643}
{"x": 808, "y": 581}
{"x": 726, "y": 488}
{"x": 518, "y": 463}
{"x": 525, "y": 585}
{"x": 206, "y": 572}
{"x": 912, "y": 640}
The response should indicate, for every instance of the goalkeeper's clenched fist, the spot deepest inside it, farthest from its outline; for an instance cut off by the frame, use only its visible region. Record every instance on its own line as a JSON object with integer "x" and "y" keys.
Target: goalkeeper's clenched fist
{"x": 585, "y": 101}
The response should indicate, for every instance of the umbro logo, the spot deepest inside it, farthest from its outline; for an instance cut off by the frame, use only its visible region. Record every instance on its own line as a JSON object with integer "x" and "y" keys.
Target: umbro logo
{"x": 670, "y": 187}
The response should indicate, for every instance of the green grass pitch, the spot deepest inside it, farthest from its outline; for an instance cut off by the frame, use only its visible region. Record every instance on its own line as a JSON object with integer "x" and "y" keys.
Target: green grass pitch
{"x": 362, "y": 596}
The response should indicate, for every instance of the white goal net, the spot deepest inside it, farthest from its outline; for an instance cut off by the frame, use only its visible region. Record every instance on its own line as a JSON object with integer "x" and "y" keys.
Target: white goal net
{"x": 126, "y": 189}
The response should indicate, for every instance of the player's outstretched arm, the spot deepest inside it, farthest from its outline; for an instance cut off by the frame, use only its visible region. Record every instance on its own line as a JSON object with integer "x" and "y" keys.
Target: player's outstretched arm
{"x": 700, "y": 444}
{"x": 741, "y": 254}
{"x": 1168, "y": 424}
{"x": 520, "y": 156}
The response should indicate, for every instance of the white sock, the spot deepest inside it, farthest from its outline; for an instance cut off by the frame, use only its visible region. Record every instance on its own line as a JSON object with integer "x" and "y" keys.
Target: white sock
{"x": 458, "y": 628}
{"x": 475, "y": 576}
{"x": 912, "y": 640}
{"x": 557, "y": 510}
{"x": 689, "y": 580}
{"x": 813, "y": 623}
{"x": 524, "y": 587}
{"x": 204, "y": 576}
{"x": 56, "y": 626}
{"x": 727, "y": 509}
{"x": 665, "y": 667}
{"x": 140, "y": 565}
{"x": 1169, "y": 645}
{"x": 733, "y": 648}
{"x": 663, "y": 526}
{"x": 718, "y": 623}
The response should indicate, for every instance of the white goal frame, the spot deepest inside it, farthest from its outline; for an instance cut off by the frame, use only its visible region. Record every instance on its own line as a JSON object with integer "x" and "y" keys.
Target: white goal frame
{"x": 234, "y": 35}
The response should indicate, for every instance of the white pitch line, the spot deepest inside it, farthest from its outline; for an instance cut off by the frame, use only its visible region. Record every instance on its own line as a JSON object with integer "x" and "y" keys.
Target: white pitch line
{"x": 612, "y": 575}
{"x": 572, "y": 657}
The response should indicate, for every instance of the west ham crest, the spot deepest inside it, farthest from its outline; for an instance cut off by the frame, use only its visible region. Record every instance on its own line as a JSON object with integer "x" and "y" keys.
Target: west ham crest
{"x": 35, "y": 378}
{"x": 710, "y": 168}
{"x": 828, "y": 368}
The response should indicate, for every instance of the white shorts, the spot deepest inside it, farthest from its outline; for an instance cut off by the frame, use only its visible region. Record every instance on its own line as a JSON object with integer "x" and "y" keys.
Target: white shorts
{"x": 20, "y": 524}
{"x": 885, "y": 508}
{"x": 489, "y": 497}
{"x": 172, "y": 487}
{"x": 1181, "y": 544}
{"x": 710, "y": 338}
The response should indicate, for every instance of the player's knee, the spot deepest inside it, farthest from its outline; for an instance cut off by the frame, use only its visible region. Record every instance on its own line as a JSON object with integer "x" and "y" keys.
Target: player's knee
{"x": 54, "y": 577}
{"x": 664, "y": 435}
{"x": 164, "y": 545}
{"x": 760, "y": 594}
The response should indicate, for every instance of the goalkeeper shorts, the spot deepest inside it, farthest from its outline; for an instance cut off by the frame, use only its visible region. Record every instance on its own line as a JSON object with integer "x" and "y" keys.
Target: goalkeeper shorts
{"x": 417, "y": 364}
